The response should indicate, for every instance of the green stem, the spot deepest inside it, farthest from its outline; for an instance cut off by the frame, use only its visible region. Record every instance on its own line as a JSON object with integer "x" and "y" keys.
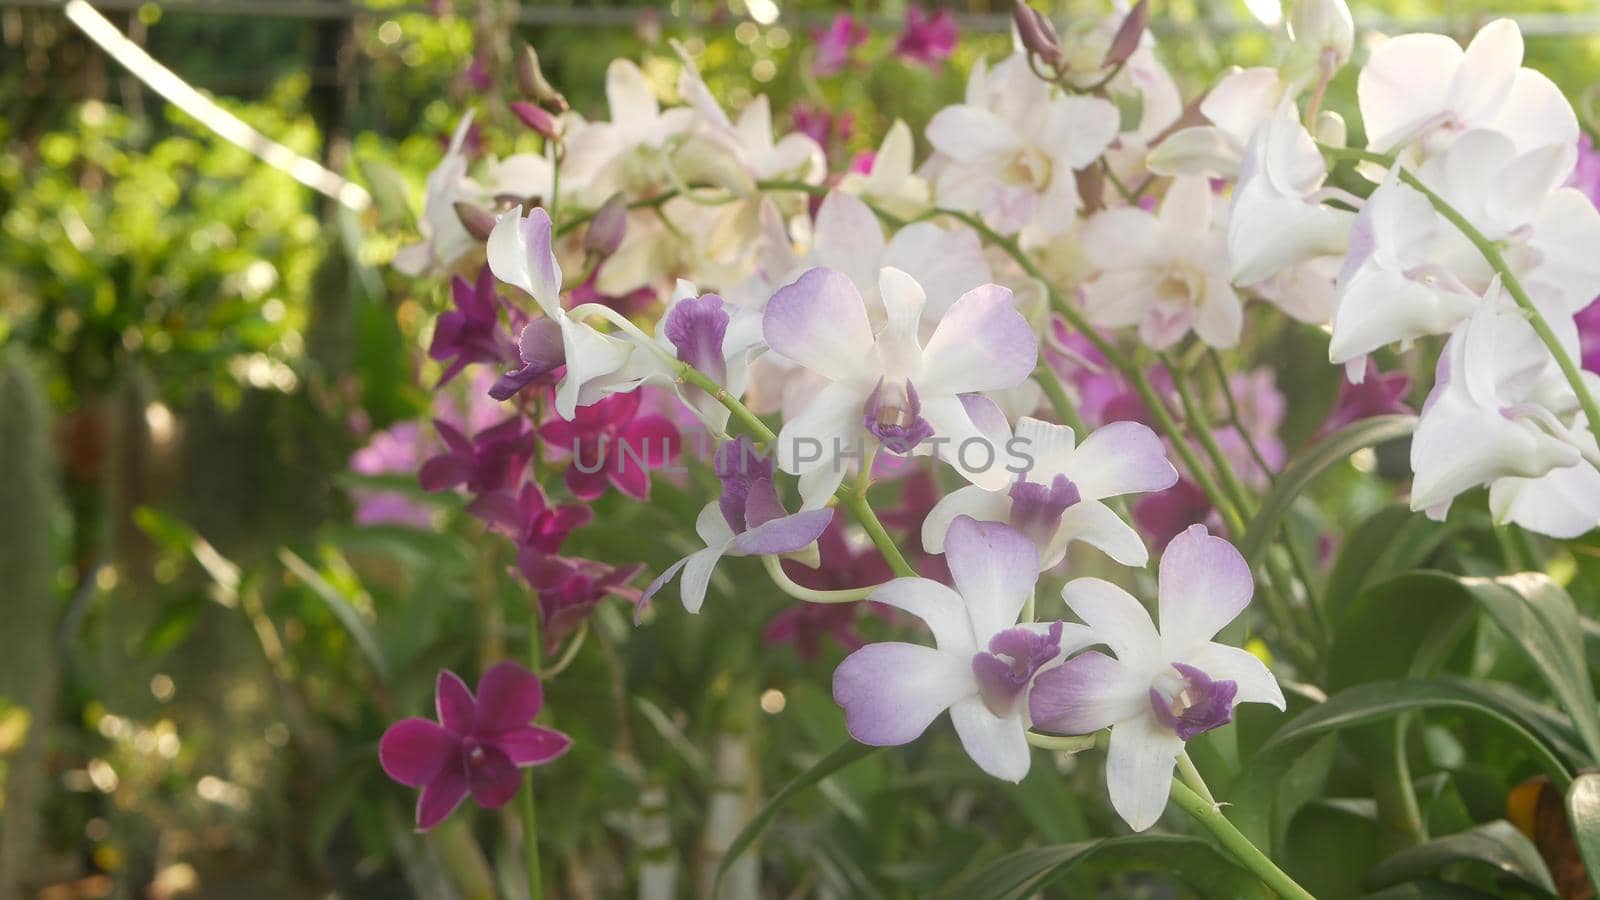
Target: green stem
{"x": 774, "y": 567}
{"x": 1059, "y": 401}
{"x": 1066, "y": 743}
{"x": 1211, "y": 819}
{"x": 530, "y": 815}
{"x": 1198, "y": 425}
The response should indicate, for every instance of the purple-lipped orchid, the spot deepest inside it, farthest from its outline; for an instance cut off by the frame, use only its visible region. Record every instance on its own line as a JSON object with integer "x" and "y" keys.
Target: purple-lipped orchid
{"x": 1162, "y": 688}
{"x": 477, "y": 746}
{"x": 888, "y": 388}
{"x": 612, "y": 445}
{"x": 487, "y": 461}
{"x": 1056, "y": 497}
{"x": 749, "y": 519}
{"x": 596, "y": 365}
{"x": 471, "y": 332}
{"x": 981, "y": 665}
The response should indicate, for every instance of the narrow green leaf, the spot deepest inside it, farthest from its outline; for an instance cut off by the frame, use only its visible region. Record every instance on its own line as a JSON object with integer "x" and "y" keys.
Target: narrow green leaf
{"x": 1192, "y": 861}
{"x": 1298, "y": 475}
{"x": 842, "y": 756}
{"x": 1497, "y": 844}
{"x": 1542, "y": 620}
{"x": 340, "y": 606}
{"x": 1583, "y": 810}
{"x": 1378, "y": 700}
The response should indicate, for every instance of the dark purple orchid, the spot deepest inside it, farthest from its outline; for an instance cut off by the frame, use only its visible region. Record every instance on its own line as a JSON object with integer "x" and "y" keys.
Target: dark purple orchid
{"x": 477, "y": 745}
{"x": 584, "y": 583}
{"x": 537, "y": 528}
{"x": 843, "y": 35}
{"x": 1379, "y": 394}
{"x": 490, "y": 460}
{"x": 612, "y": 445}
{"x": 1588, "y": 321}
{"x": 471, "y": 332}
{"x": 927, "y": 40}
{"x": 1163, "y": 516}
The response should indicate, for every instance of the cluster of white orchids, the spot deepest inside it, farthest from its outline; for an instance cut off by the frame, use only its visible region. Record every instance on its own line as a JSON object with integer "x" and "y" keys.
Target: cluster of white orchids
{"x": 1075, "y": 226}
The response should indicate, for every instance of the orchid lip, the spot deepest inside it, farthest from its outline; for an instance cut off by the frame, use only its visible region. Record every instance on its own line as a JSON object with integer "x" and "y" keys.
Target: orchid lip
{"x": 1036, "y": 509}
{"x": 895, "y": 418}
{"x": 1190, "y": 702}
{"x": 1013, "y": 658}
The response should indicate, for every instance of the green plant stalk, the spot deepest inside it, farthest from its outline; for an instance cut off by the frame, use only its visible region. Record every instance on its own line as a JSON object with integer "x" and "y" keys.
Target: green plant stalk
{"x": 1196, "y": 420}
{"x": 1497, "y": 261}
{"x": 530, "y": 814}
{"x": 1249, "y": 855}
{"x": 774, "y": 566}
{"x": 1059, "y": 401}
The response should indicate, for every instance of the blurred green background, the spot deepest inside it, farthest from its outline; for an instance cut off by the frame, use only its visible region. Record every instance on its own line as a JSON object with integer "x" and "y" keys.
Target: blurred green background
{"x": 200, "y": 647}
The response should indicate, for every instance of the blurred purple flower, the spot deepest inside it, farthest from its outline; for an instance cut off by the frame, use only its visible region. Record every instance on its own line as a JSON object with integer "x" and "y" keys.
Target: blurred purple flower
{"x": 1589, "y": 336}
{"x": 585, "y": 582}
{"x": 1165, "y": 515}
{"x": 488, "y": 461}
{"x": 1586, "y": 175}
{"x": 927, "y": 39}
{"x": 611, "y": 444}
{"x": 834, "y": 45}
{"x": 1380, "y": 394}
{"x": 393, "y": 451}
{"x": 537, "y": 528}
{"x": 477, "y": 745}
{"x": 471, "y": 332}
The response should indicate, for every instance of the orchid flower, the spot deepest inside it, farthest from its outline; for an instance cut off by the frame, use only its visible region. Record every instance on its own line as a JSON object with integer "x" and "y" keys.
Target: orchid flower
{"x": 748, "y": 520}
{"x": 537, "y": 528}
{"x": 717, "y": 339}
{"x": 926, "y": 39}
{"x": 1502, "y": 414}
{"x": 1057, "y": 498}
{"x": 471, "y": 332}
{"x": 1012, "y": 148}
{"x": 981, "y": 665}
{"x": 1378, "y": 394}
{"x": 444, "y": 238}
{"x": 596, "y": 365}
{"x": 477, "y": 745}
{"x": 796, "y": 156}
{"x": 612, "y": 445}
{"x": 485, "y": 462}
{"x": 1277, "y": 219}
{"x": 1419, "y": 92}
{"x": 1159, "y": 689}
{"x": 888, "y": 387}
{"x": 631, "y": 152}
{"x": 834, "y": 45}
{"x": 583, "y": 583}
{"x": 890, "y": 182}
{"x": 1168, "y": 273}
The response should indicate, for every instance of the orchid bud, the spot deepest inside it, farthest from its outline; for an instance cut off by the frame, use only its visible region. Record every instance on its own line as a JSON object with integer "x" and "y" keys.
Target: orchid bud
{"x": 608, "y": 227}
{"x": 478, "y": 222}
{"x": 530, "y": 78}
{"x": 1038, "y": 36}
{"x": 1330, "y": 129}
{"x": 1129, "y": 35}
{"x": 1324, "y": 25}
{"x": 537, "y": 119}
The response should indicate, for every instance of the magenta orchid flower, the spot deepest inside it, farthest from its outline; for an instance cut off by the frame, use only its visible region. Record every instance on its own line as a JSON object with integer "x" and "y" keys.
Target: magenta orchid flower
{"x": 471, "y": 332}
{"x": 613, "y": 446}
{"x": 927, "y": 39}
{"x": 537, "y": 528}
{"x": 834, "y": 45}
{"x": 981, "y": 665}
{"x": 1379, "y": 394}
{"x": 488, "y": 461}
{"x": 749, "y": 519}
{"x": 1588, "y": 322}
{"x": 391, "y": 451}
{"x": 581, "y": 585}
{"x": 1162, "y": 688}
{"x": 1164, "y": 515}
{"x": 477, "y": 745}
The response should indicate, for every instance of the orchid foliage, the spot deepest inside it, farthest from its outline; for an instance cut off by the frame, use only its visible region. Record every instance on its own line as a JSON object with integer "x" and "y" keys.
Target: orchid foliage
{"x": 1002, "y": 388}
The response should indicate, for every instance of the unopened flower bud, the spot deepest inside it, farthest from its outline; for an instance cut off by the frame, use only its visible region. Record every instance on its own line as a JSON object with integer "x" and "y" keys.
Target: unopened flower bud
{"x": 1324, "y": 25}
{"x": 536, "y": 118}
{"x": 1038, "y": 36}
{"x": 478, "y": 222}
{"x": 1128, "y": 35}
{"x": 530, "y": 78}
{"x": 608, "y": 227}
{"x": 1330, "y": 129}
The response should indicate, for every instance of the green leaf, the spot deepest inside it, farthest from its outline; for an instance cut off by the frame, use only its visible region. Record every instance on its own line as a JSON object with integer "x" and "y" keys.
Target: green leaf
{"x": 1193, "y": 861}
{"x": 1497, "y": 844}
{"x": 347, "y": 614}
{"x": 842, "y": 756}
{"x": 1379, "y": 700}
{"x": 1541, "y": 619}
{"x": 1583, "y": 810}
{"x": 1298, "y": 475}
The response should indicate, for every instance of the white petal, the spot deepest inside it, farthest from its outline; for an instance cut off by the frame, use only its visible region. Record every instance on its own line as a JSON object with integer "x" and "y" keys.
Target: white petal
{"x": 974, "y": 501}
{"x": 820, "y": 322}
{"x": 1405, "y": 83}
{"x": 1047, "y": 449}
{"x": 1223, "y": 663}
{"x": 1095, "y": 524}
{"x": 944, "y": 611}
{"x": 999, "y": 746}
{"x": 830, "y": 425}
{"x": 848, "y": 237}
{"x": 981, "y": 344}
{"x": 994, "y": 567}
{"x": 1116, "y": 618}
{"x": 1139, "y": 768}
{"x": 1204, "y": 583}
{"x": 1121, "y": 458}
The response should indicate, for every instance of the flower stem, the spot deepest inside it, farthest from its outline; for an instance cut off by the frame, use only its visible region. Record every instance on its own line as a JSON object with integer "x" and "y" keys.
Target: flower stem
{"x": 774, "y": 567}
{"x": 1210, "y": 818}
{"x": 530, "y": 816}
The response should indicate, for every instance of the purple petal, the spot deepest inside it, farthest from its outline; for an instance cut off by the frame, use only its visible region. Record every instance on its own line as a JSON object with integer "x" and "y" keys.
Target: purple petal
{"x": 892, "y": 692}
{"x": 994, "y": 567}
{"x": 440, "y": 797}
{"x": 784, "y": 535}
{"x": 442, "y": 472}
{"x": 696, "y": 327}
{"x": 981, "y": 344}
{"x": 1204, "y": 583}
{"x": 509, "y": 696}
{"x": 820, "y": 322}
{"x": 532, "y": 745}
{"x": 413, "y": 751}
{"x": 494, "y": 780}
{"x": 453, "y": 702}
{"x": 1085, "y": 694}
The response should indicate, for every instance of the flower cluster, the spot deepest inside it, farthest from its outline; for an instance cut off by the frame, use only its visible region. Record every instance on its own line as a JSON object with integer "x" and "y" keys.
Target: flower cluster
{"x": 1035, "y": 333}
